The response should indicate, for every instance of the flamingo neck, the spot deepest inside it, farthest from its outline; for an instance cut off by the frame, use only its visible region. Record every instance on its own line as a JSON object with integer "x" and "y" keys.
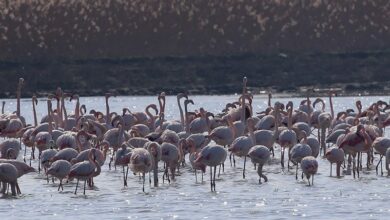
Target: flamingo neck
{"x": 181, "y": 112}
{"x": 186, "y": 118}
{"x": 107, "y": 112}
{"x": 35, "y": 114}
{"x": 77, "y": 108}
{"x": 331, "y": 105}
{"x": 289, "y": 123}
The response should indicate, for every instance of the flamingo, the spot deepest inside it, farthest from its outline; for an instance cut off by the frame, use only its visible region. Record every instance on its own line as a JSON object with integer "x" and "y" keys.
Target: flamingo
{"x": 59, "y": 169}
{"x": 66, "y": 140}
{"x": 43, "y": 138}
{"x": 380, "y": 145}
{"x": 192, "y": 157}
{"x": 9, "y": 175}
{"x": 122, "y": 158}
{"x": 85, "y": 170}
{"x": 314, "y": 145}
{"x": 266, "y": 137}
{"x": 298, "y": 152}
{"x": 46, "y": 158}
{"x": 155, "y": 152}
{"x": 224, "y": 135}
{"x": 335, "y": 155}
{"x": 171, "y": 156}
{"x": 21, "y": 167}
{"x": 309, "y": 166}
{"x": 65, "y": 154}
{"x": 201, "y": 124}
{"x": 243, "y": 144}
{"x": 356, "y": 142}
{"x": 179, "y": 97}
{"x": 288, "y": 137}
{"x": 259, "y": 154}
{"x": 8, "y": 145}
{"x": 108, "y": 119}
{"x": 211, "y": 156}
{"x": 141, "y": 162}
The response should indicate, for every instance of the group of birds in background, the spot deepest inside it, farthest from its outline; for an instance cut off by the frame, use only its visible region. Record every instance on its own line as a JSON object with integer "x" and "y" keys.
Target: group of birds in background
{"x": 77, "y": 146}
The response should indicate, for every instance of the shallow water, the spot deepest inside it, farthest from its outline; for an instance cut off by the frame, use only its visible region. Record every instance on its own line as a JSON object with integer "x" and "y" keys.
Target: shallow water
{"x": 282, "y": 197}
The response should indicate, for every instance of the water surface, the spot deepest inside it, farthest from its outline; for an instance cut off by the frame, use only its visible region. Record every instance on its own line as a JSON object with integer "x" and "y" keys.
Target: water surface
{"x": 282, "y": 197}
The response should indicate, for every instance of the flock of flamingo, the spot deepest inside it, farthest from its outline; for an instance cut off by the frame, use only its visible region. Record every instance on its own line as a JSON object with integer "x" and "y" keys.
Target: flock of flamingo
{"x": 76, "y": 146}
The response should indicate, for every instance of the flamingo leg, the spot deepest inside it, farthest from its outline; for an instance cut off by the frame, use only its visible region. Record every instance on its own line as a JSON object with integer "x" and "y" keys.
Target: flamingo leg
{"x": 25, "y": 152}
{"x": 379, "y": 162}
{"x": 243, "y": 172}
{"x": 381, "y": 168}
{"x": 17, "y": 188}
{"x": 211, "y": 178}
{"x": 230, "y": 158}
{"x": 39, "y": 162}
{"x": 330, "y": 169}
{"x": 32, "y": 154}
{"x": 77, "y": 184}
{"x": 354, "y": 166}
{"x": 219, "y": 170}
{"x": 85, "y": 182}
{"x": 260, "y": 173}
{"x": 143, "y": 182}
{"x": 215, "y": 170}
{"x": 59, "y": 185}
{"x": 124, "y": 177}
{"x": 13, "y": 190}
{"x": 296, "y": 172}
{"x": 338, "y": 167}
{"x": 289, "y": 158}
{"x": 312, "y": 180}
{"x": 282, "y": 157}
{"x": 358, "y": 162}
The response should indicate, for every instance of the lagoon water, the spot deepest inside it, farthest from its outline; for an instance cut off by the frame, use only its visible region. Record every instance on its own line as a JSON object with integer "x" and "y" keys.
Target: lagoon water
{"x": 282, "y": 197}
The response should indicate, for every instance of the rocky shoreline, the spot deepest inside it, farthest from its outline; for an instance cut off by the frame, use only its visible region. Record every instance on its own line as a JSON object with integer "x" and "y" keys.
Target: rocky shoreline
{"x": 359, "y": 73}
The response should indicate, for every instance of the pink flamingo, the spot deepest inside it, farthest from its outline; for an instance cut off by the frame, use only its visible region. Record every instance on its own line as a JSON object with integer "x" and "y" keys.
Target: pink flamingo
{"x": 288, "y": 137}
{"x": 380, "y": 145}
{"x": 21, "y": 167}
{"x": 260, "y": 154}
{"x": 335, "y": 155}
{"x": 12, "y": 145}
{"x": 298, "y": 152}
{"x": 85, "y": 170}
{"x": 171, "y": 156}
{"x": 309, "y": 166}
{"x": 354, "y": 143}
{"x": 141, "y": 162}
{"x": 122, "y": 158}
{"x": 241, "y": 145}
{"x": 9, "y": 175}
{"x": 59, "y": 169}
{"x": 211, "y": 156}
